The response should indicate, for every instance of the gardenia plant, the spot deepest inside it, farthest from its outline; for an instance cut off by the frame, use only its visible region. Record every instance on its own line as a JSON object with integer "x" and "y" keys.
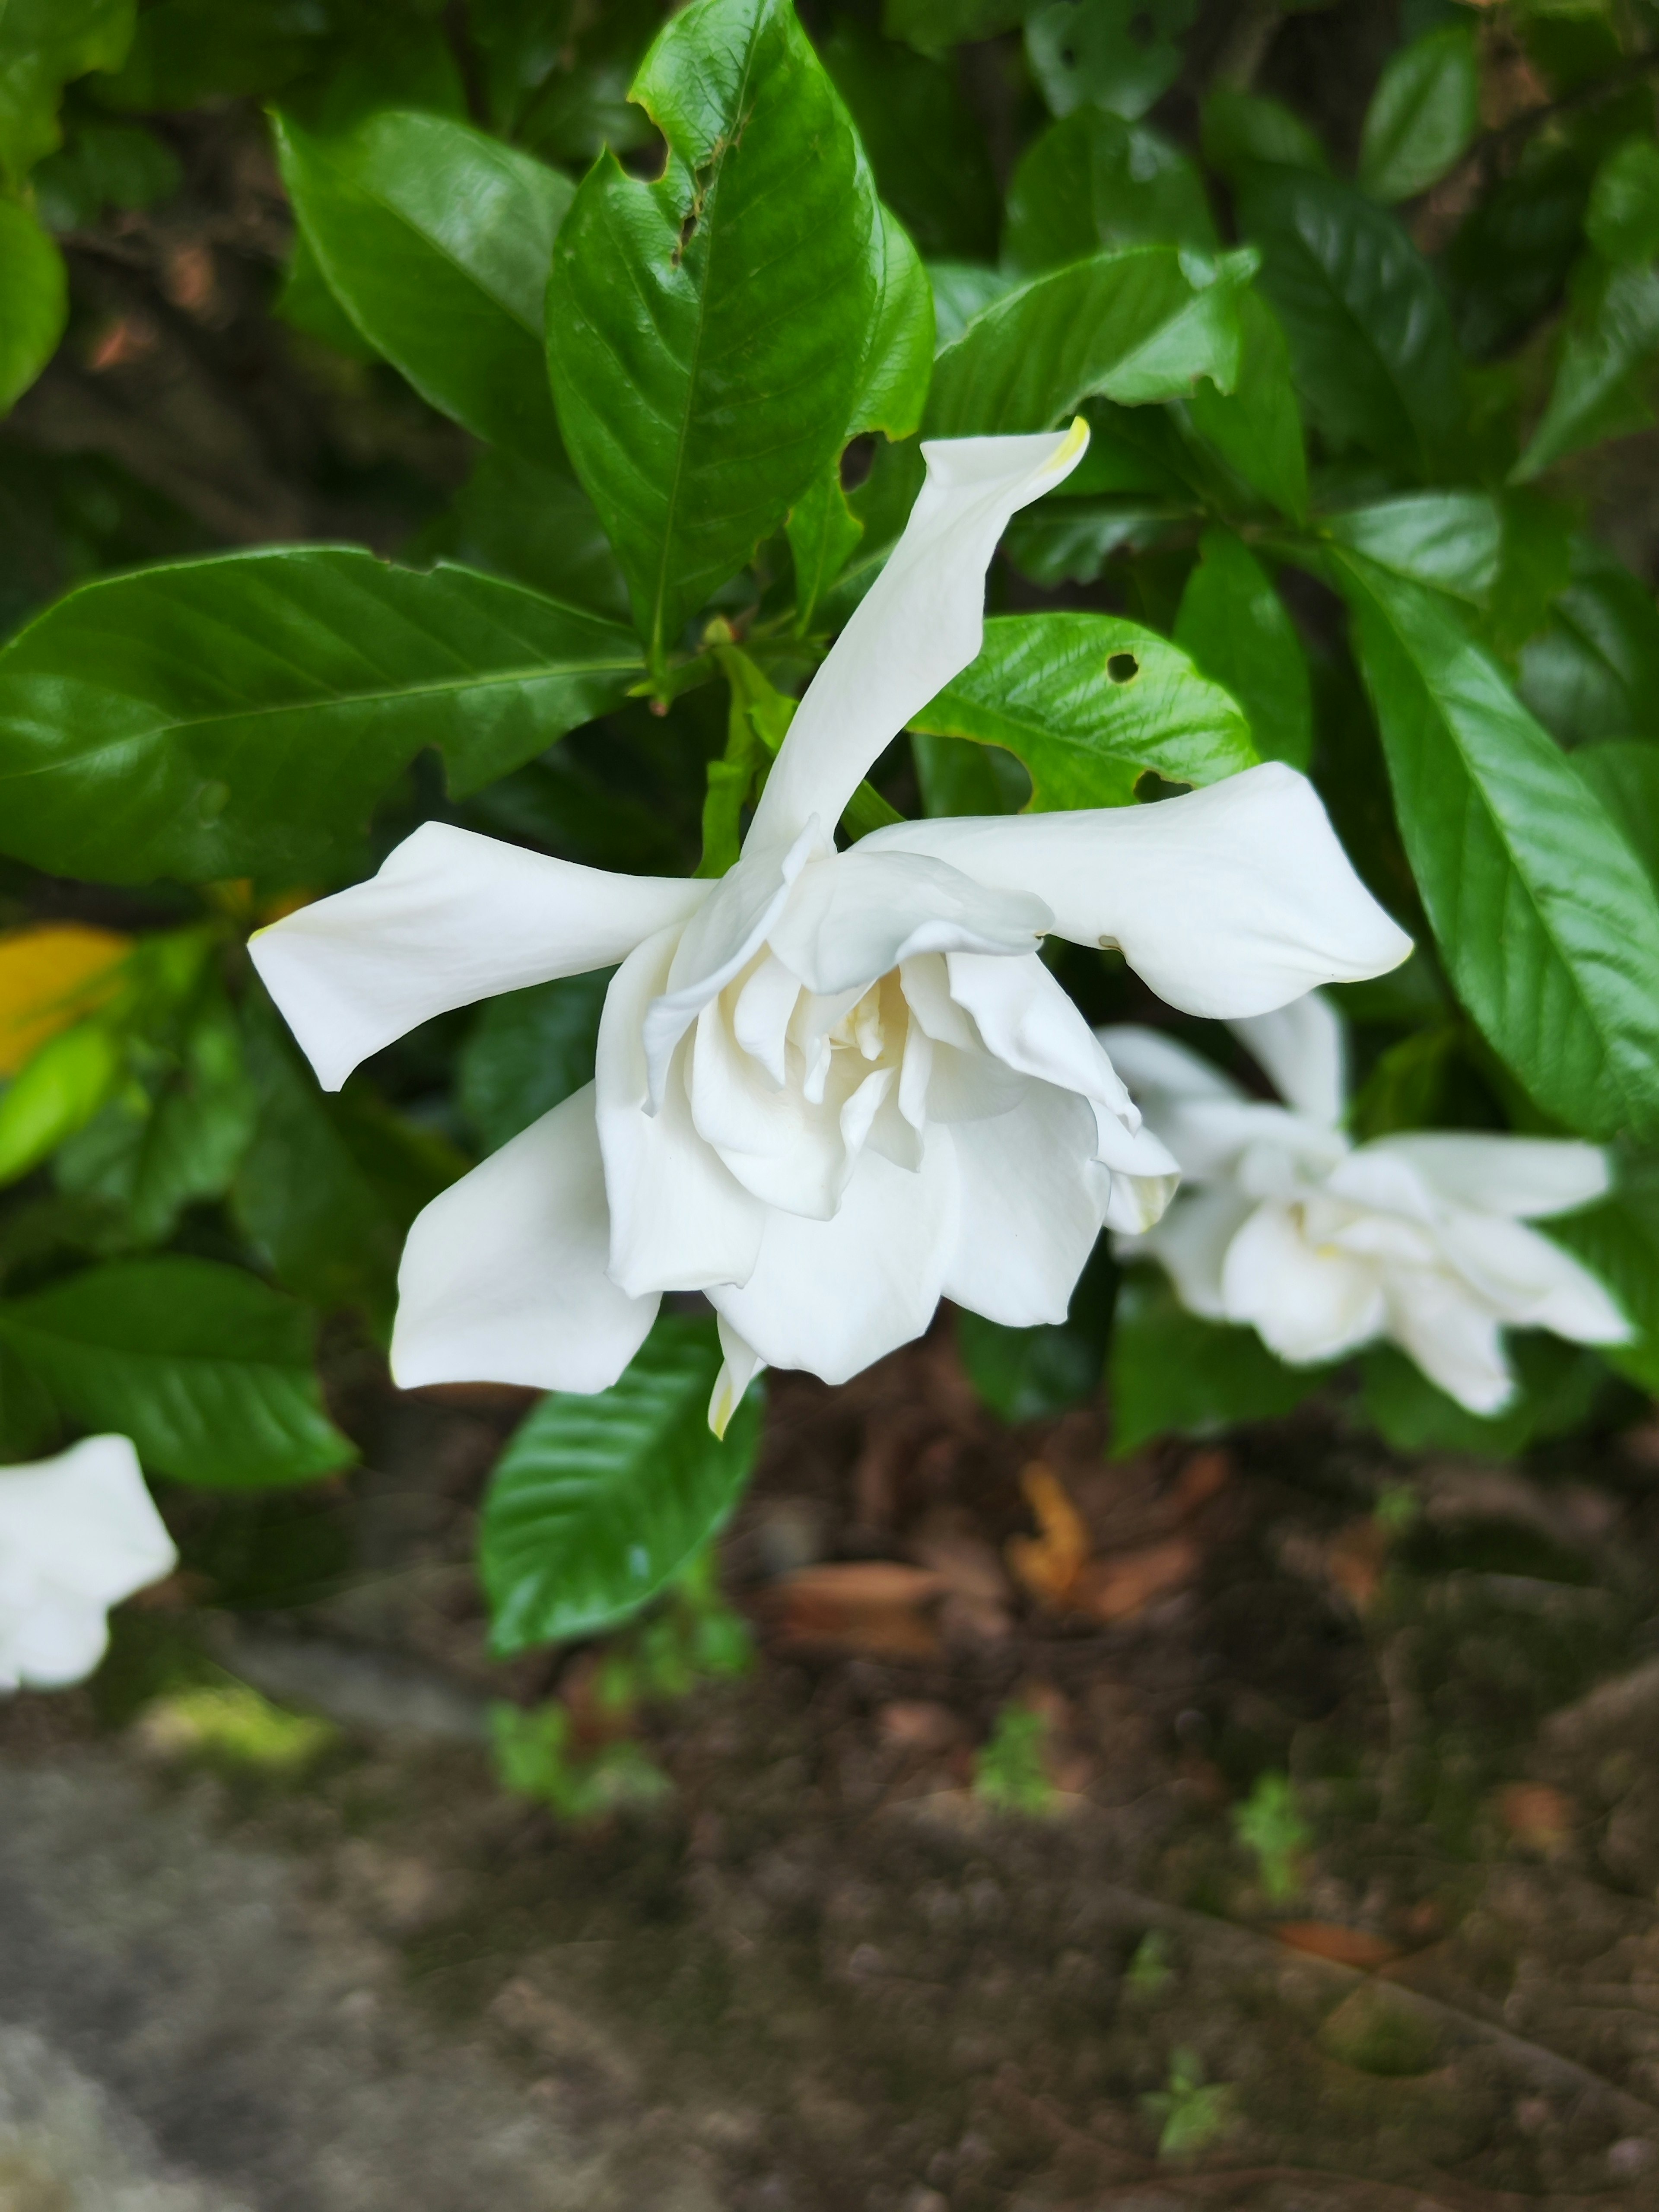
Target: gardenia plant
{"x": 1322, "y": 1245}
{"x": 77, "y": 1534}
{"x": 834, "y": 1086}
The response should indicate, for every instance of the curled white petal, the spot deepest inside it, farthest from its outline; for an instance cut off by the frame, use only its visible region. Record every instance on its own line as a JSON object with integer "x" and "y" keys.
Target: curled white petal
{"x": 77, "y": 1534}
{"x": 451, "y": 918}
{"x": 739, "y": 1364}
{"x": 1230, "y": 901}
{"x": 503, "y": 1276}
{"x": 1526, "y": 1177}
{"x": 1301, "y": 1047}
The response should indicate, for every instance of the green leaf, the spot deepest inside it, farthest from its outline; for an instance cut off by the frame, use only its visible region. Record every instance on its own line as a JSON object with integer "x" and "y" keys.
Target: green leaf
{"x": 185, "y": 52}
{"x": 1508, "y": 263}
{"x": 1090, "y": 703}
{"x": 43, "y": 44}
{"x": 1242, "y": 130}
{"x": 960, "y": 777}
{"x": 1622, "y": 223}
{"x": 1534, "y": 567}
{"x": 33, "y": 300}
{"x": 55, "y": 1093}
{"x": 384, "y": 54}
{"x": 1033, "y": 1374}
{"x": 930, "y": 26}
{"x": 204, "y": 1367}
{"x": 1558, "y": 1387}
{"x": 1257, "y": 427}
{"x": 1610, "y": 333}
{"x": 528, "y": 1050}
{"x": 598, "y": 1502}
{"x": 1547, "y": 926}
{"x": 1121, "y": 55}
{"x": 1424, "y": 113}
{"x": 928, "y": 151}
{"x": 328, "y": 1186}
{"x": 1594, "y": 671}
{"x": 1234, "y": 625}
{"x": 1624, "y": 777}
{"x": 898, "y": 360}
{"x": 706, "y": 332}
{"x": 1131, "y": 327}
{"x": 1171, "y": 1374}
{"x": 1619, "y": 1242}
{"x": 823, "y": 535}
{"x": 437, "y": 241}
{"x": 1370, "y": 340}
{"x": 103, "y": 164}
{"x": 1093, "y": 180}
{"x": 1448, "y": 539}
{"x": 29, "y": 1422}
{"x": 961, "y": 289}
{"x": 240, "y": 715}
{"x": 174, "y": 1137}
{"x": 536, "y": 524}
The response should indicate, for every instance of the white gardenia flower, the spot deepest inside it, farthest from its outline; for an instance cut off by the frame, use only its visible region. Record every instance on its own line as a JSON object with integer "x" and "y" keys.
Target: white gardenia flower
{"x": 1323, "y": 1245}
{"x": 834, "y": 1086}
{"x": 77, "y": 1534}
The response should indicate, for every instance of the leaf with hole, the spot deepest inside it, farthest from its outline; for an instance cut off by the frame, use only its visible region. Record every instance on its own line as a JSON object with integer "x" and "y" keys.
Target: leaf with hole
{"x": 1090, "y": 703}
{"x": 1547, "y": 925}
{"x": 598, "y": 1502}
{"x": 240, "y": 715}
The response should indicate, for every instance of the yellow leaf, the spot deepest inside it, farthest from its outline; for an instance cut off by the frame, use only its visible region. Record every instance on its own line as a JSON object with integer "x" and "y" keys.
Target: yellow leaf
{"x": 50, "y": 975}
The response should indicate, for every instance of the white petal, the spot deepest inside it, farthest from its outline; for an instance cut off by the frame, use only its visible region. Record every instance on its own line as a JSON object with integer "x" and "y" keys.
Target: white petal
{"x": 1033, "y": 1200}
{"x": 1151, "y": 1063}
{"x": 1528, "y": 1282}
{"x": 854, "y": 916}
{"x": 1521, "y": 1176}
{"x": 1190, "y": 1243}
{"x": 1306, "y": 1304}
{"x": 451, "y": 918}
{"x": 503, "y": 1277}
{"x": 921, "y": 623}
{"x": 59, "y": 1640}
{"x": 740, "y": 1364}
{"x": 679, "y": 1220}
{"x": 831, "y": 1297}
{"x": 1302, "y": 1049}
{"x": 1229, "y": 901}
{"x": 783, "y": 1148}
{"x": 1453, "y": 1338}
{"x": 77, "y": 1534}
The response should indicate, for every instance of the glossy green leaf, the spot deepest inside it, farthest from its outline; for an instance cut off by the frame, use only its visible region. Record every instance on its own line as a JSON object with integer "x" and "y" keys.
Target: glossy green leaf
{"x": 1619, "y": 1241}
{"x": 823, "y": 535}
{"x": 43, "y": 44}
{"x": 928, "y": 148}
{"x": 55, "y": 1093}
{"x": 1622, "y": 223}
{"x": 1424, "y": 113}
{"x": 206, "y": 1371}
{"x": 1242, "y": 130}
{"x": 1534, "y": 568}
{"x": 1093, "y": 180}
{"x": 962, "y": 289}
{"x": 1548, "y": 928}
{"x": 437, "y": 241}
{"x": 957, "y": 776}
{"x": 1256, "y": 428}
{"x": 1624, "y": 777}
{"x": 384, "y": 54}
{"x": 1090, "y": 703}
{"x": 1132, "y": 326}
{"x": 1370, "y": 338}
{"x": 536, "y": 524}
{"x": 175, "y": 1133}
{"x": 33, "y": 300}
{"x": 1119, "y": 55}
{"x": 1594, "y": 671}
{"x": 528, "y": 1050}
{"x": 1448, "y": 539}
{"x": 1508, "y": 263}
{"x": 898, "y": 358}
{"x": 707, "y": 331}
{"x": 1171, "y": 1374}
{"x": 1610, "y": 334}
{"x": 1234, "y": 625}
{"x": 327, "y": 1186}
{"x": 240, "y": 715}
{"x": 598, "y": 1502}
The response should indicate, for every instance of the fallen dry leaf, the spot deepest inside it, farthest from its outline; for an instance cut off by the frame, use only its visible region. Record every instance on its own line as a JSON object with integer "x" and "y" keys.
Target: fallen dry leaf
{"x": 917, "y": 1725}
{"x": 861, "y": 1605}
{"x": 1125, "y": 1582}
{"x": 1047, "y": 1564}
{"x": 1200, "y": 1478}
{"x": 1537, "y": 1814}
{"x": 1329, "y": 1939}
{"x": 1354, "y": 1561}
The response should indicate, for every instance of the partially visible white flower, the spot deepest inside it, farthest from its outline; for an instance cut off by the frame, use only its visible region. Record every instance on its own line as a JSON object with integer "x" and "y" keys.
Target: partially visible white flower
{"x": 77, "y": 1534}
{"x": 833, "y": 1086}
{"x": 1322, "y": 1245}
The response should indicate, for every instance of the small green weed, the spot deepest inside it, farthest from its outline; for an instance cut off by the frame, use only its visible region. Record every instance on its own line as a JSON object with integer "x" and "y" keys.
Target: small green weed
{"x": 233, "y": 1727}
{"x": 1270, "y": 1823}
{"x": 1191, "y": 2113}
{"x": 1010, "y": 1771}
{"x": 536, "y": 1757}
{"x": 1149, "y": 1972}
